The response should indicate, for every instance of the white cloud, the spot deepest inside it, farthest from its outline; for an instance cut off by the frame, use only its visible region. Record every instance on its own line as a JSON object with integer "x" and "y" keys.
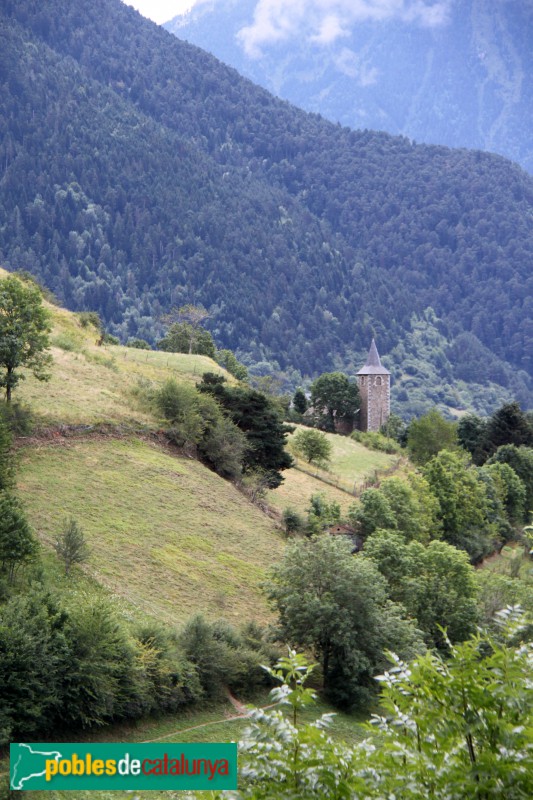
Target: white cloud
{"x": 324, "y": 21}
{"x": 349, "y": 63}
{"x": 330, "y": 30}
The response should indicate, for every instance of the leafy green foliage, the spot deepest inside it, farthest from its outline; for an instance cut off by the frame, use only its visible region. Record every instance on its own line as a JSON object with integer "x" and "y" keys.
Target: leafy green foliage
{"x": 299, "y": 402}
{"x": 335, "y": 400}
{"x": 228, "y": 360}
{"x": 312, "y": 445}
{"x": 292, "y": 521}
{"x": 430, "y": 434}
{"x": 321, "y": 514}
{"x": 509, "y": 425}
{"x": 454, "y": 727}
{"x": 77, "y": 663}
{"x": 99, "y": 681}
{"x": 281, "y": 757}
{"x": 462, "y": 498}
{"x": 178, "y": 403}
{"x": 34, "y": 649}
{"x": 496, "y": 591}
{"x": 87, "y": 318}
{"x": 138, "y": 344}
{"x": 472, "y": 436}
{"x": 435, "y": 584}
{"x": 482, "y": 437}
{"x": 338, "y": 605}
{"x": 183, "y": 337}
{"x": 225, "y": 657}
{"x": 373, "y": 512}
{"x": 459, "y": 727}
{"x": 521, "y": 461}
{"x": 511, "y": 490}
{"x": 408, "y": 506}
{"x": 377, "y": 441}
{"x": 395, "y": 428}
{"x": 199, "y": 424}
{"x": 414, "y": 507}
{"x": 24, "y": 328}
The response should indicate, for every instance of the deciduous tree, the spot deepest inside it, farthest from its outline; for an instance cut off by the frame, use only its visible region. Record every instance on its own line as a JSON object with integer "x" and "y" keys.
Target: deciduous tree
{"x": 521, "y": 460}
{"x": 338, "y": 605}
{"x": 434, "y": 583}
{"x": 182, "y": 337}
{"x": 334, "y": 398}
{"x": 313, "y": 445}
{"x": 462, "y": 503}
{"x": 24, "y": 329}
{"x": 430, "y": 434}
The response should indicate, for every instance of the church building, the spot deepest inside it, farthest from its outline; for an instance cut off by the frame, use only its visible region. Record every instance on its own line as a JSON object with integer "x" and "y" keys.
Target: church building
{"x": 374, "y": 387}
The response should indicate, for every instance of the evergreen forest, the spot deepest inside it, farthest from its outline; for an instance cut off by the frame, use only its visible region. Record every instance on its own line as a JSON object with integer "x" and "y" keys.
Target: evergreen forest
{"x": 139, "y": 174}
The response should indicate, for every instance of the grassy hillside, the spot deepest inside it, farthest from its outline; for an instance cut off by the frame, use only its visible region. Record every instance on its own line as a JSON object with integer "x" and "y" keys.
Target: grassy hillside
{"x": 165, "y": 533}
{"x": 168, "y": 538}
{"x": 91, "y": 384}
{"x": 350, "y": 466}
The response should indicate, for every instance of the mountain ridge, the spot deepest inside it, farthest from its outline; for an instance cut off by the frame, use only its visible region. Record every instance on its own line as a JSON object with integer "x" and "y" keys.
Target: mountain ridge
{"x": 140, "y": 173}
{"x": 460, "y": 83}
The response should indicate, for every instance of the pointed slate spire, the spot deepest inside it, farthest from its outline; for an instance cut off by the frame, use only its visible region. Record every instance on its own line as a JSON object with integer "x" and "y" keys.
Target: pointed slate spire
{"x": 373, "y": 364}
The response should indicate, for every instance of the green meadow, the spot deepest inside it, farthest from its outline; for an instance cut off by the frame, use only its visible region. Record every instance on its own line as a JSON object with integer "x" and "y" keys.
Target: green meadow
{"x": 165, "y": 534}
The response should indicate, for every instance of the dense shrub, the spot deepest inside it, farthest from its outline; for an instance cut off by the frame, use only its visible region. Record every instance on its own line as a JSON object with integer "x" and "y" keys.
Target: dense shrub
{"x": 223, "y": 656}
{"x": 377, "y": 441}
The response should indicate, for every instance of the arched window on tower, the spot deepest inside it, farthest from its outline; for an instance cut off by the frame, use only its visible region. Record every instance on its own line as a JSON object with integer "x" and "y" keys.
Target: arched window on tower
{"x": 378, "y": 380}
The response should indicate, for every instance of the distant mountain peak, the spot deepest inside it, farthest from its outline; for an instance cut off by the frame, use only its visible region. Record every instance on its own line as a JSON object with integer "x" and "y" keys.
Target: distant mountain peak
{"x": 445, "y": 72}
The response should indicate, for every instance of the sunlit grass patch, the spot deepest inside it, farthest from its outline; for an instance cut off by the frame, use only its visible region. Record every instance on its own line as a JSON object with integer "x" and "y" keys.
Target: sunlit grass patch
{"x": 166, "y": 534}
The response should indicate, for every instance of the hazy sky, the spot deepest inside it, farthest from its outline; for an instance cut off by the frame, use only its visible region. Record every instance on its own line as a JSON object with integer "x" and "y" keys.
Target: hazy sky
{"x": 160, "y": 10}
{"x": 322, "y": 20}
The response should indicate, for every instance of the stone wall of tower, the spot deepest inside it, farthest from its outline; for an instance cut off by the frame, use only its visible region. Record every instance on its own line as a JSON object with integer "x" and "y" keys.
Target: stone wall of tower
{"x": 375, "y": 401}
{"x": 362, "y": 381}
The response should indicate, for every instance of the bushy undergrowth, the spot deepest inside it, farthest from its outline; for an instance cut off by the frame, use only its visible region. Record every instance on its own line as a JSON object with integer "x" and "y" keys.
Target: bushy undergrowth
{"x": 73, "y": 661}
{"x": 226, "y": 657}
{"x": 376, "y": 441}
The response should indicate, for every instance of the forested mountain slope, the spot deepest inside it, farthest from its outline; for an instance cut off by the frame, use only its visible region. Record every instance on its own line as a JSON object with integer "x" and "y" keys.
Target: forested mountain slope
{"x": 456, "y": 74}
{"x": 138, "y": 173}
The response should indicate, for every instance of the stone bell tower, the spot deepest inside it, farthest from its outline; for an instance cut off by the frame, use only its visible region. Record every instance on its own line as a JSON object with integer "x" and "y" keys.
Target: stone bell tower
{"x": 374, "y": 387}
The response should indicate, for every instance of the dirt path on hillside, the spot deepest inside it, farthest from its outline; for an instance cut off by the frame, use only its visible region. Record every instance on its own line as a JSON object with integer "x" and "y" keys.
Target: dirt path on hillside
{"x": 243, "y": 713}
{"x": 63, "y": 434}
